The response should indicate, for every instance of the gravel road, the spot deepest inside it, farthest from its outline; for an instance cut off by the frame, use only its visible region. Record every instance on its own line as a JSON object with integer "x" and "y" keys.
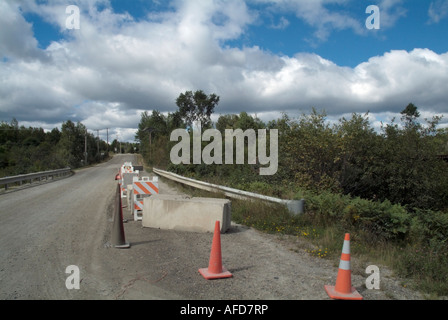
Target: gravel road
{"x": 46, "y": 228}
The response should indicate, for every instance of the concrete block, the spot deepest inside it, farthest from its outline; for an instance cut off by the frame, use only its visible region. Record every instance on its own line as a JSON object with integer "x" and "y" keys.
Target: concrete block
{"x": 130, "y": 196}
{"x": 128, "y": 178}
{"x": 186, "y": 214}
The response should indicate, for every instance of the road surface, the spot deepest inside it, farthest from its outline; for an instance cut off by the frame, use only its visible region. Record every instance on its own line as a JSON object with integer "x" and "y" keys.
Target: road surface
{"x": 45, "y": 229}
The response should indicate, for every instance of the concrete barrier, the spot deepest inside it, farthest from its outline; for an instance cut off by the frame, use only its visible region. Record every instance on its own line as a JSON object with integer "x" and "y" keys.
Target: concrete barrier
{"x": 174, "y": 212}
{"x": 130, "y": 196}
{"x": 126, "y": 180}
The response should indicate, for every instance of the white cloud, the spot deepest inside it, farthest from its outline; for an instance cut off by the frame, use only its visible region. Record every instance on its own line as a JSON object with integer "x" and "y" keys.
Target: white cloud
{"x": 391, "y": 12}
{"x": 316, "y": 14}
{"x": 397, "y": 75}
{"x": 111, "y": 69}
{"x": 437, "y": 11}
{"x": 16, "y": 36}
{"x": 325, "y": 20}
{"x": 283, "y": 23}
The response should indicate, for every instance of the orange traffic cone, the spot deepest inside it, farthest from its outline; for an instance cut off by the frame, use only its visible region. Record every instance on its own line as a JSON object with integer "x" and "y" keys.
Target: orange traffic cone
{"x": 215, "y": 269}
{"x": 118, "y": 238}
{"x": 343, "y": 289}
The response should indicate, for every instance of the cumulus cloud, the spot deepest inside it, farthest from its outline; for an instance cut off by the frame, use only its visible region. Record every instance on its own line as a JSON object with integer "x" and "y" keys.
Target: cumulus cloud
{"x": 16, "y": 36}
{"x": 114, "y": 67}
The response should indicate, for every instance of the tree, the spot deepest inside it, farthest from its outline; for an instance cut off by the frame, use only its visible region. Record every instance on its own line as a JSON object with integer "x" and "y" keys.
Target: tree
{"x": 25, "y": 150}
{"x": 53, "y": 136}
{"x": 197, "y": 106}
{"x": 310, "y": 150}
{"x": 115, "y": 146}
{"x": 72, "y": 143}
{"x": 410, "y": 115}
{"x": 227, "y": 121}
{"x": 153, "y": 135}
{"x": 174, "y": 121}
{"x": 407, "y": 166}
{"x": 359, "y": 151}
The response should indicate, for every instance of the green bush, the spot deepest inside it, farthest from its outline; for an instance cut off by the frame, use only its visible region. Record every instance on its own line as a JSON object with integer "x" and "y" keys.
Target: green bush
{"x": 429, "y": 228}
{"x": 380, "y": 220}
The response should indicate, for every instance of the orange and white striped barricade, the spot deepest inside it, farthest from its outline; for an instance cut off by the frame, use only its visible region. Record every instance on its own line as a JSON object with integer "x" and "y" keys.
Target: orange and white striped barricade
{"x": 143, "y": 188}
{"x": 124, "y": 169}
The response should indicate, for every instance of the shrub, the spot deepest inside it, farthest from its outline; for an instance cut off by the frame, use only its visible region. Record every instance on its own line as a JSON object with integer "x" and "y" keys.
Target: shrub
{"x": 381, "y": 220}
{"x": 429, "y": 228}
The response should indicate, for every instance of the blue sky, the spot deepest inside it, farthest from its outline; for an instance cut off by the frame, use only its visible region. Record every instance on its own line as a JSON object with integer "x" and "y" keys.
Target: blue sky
{"x": 413, "y": 29}
{"x": 260, "y": 56}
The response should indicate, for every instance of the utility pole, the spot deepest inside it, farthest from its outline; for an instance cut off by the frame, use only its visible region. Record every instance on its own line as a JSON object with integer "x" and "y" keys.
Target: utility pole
{"x": 85, "y": 148}
{"x": 98, "y": 144}
{"x": 150, "y": 130}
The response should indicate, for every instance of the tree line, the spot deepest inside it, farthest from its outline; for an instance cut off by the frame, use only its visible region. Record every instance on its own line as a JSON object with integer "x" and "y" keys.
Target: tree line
{"x": 399, "y": 163}
{"x": 26, "y": 150}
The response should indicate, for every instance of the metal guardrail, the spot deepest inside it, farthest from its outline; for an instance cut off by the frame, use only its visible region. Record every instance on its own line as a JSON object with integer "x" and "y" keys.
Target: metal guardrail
{"x": 294, "y": 206}
{"x": 31, "y": 176}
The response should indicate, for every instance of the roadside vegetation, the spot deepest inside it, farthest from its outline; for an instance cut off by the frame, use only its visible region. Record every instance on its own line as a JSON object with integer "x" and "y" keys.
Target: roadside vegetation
{"x": 388, "y": 188}
{"x": 27, "y": 150}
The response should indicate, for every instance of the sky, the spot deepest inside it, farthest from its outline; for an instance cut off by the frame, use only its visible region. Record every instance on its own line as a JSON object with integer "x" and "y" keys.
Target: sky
{"x": 118, "y": 58}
